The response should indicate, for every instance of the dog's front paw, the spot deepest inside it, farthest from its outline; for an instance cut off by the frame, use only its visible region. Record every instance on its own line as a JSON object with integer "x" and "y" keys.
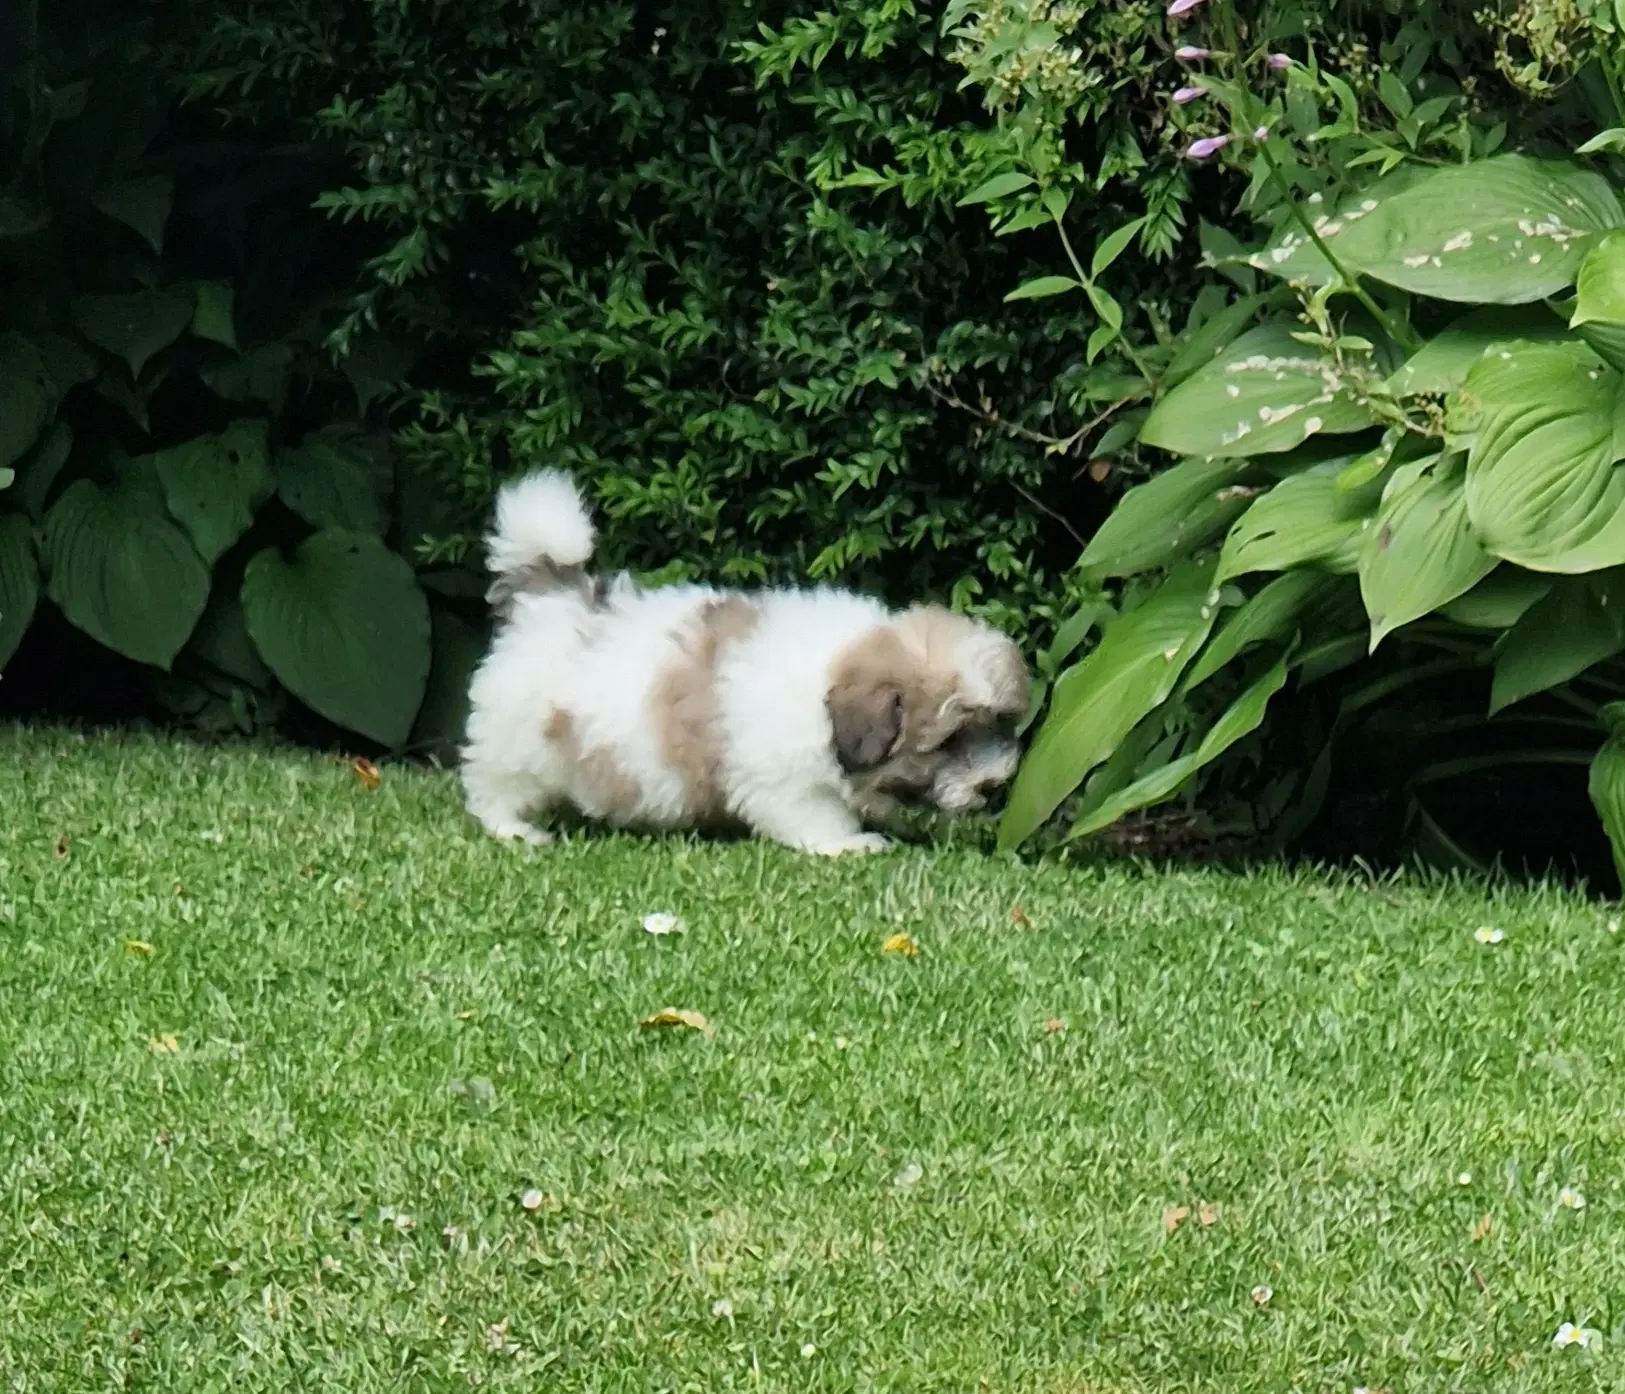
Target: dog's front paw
{"x": 858, "y": 845}
{"x": 519, "y": 832}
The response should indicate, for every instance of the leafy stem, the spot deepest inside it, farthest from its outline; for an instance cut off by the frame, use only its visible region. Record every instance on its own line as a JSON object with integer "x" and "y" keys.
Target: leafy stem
{"x": 1086, "y": 280}
{"x": 1403, "y": 335}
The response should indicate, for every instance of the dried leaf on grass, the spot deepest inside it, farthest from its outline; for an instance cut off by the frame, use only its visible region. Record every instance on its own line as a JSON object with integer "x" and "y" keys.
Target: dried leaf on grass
{"x": 139, "y": 947}
{"x": 368, "y": 773}
{"x": 1173, "y": 1217}
{"x": 901, "y": 944}
{"x": 60, "y": 851}
{"x": 1020, "y": 918}
{"x": 673, "y": 1016}
{"x": 165, "y": 1044}
{"x": 1481, "y": 1231}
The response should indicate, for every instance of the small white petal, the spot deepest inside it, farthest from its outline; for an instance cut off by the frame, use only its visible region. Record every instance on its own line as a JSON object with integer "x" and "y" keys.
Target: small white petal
{"x": 722, "y": 1308}
{"x": 1465, "y": 1179}
{"x": 808, "y": 1351}
{"x": 660, "y": 922}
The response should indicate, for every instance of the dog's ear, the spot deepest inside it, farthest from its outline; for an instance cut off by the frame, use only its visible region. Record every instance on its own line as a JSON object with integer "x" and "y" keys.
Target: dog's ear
{"x": 868, "y": 723}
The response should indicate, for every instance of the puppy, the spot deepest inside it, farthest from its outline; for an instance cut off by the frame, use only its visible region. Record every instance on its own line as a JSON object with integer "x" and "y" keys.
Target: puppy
{"x": 797, "y": 713}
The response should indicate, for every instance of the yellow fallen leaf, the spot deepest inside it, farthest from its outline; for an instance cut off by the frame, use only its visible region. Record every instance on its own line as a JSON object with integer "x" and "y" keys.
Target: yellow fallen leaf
{"x": 1020, "y": 918}
{"x": 368, "y": 773}
{"x": 1054, "y": 1026}
{"x": 672, "y": 1016}
{"x": 901, "y": 944}
{"x": 1481, "y": 1231}
{"x": 1173, "y": 1217}
{"x": 1207, "y": 1215}
{"x": 165, "y": 1044}
{"x": 139, "y": 947}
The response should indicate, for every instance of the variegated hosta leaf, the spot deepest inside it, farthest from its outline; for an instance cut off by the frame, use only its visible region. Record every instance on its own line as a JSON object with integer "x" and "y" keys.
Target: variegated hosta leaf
{"x": 1264, "y": 394}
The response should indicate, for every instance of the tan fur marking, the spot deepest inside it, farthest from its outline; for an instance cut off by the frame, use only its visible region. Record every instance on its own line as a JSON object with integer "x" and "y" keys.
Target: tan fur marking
{"x": 611, "y": 793}
{"x": 683, "y": 702}
{"x": 899, "y": 694}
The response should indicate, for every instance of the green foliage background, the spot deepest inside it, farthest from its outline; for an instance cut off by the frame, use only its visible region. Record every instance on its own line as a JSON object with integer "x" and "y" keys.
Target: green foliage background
{"x": 890, "y": 295}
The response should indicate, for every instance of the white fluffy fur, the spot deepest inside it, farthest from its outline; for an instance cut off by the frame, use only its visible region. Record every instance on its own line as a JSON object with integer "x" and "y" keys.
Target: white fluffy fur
{"x": 559, "y": 652}
{"x": 540, "y": 516}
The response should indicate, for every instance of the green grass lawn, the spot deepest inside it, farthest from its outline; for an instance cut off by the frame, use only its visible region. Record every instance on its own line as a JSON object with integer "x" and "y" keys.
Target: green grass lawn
{"x": 281, "y": 1058}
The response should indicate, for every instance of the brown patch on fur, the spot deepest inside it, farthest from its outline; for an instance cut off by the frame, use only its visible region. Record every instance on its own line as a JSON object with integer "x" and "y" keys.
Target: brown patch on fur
{"x": 613, "y": 794}
{"x": 683, "y": 702}
{"x": 899, "y": 695}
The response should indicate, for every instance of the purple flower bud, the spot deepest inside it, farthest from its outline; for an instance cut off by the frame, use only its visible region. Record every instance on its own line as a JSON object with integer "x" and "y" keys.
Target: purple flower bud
{"x": 1262, "y": 133}
{"x": 1189, "y": 53}
{"x": 1186, "y": 95}
{"x": 1279, "y": 61}
{"x": 1208, "y": 145}
{"x": 1180, "y": 7}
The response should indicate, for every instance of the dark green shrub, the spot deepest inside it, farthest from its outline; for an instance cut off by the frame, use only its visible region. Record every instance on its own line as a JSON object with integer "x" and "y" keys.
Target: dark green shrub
{"x": 712, "y": 258}
{"x": 191, "y": 485}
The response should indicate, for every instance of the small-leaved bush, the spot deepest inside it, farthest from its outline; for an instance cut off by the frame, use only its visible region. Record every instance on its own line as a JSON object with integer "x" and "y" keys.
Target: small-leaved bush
{"x": 729, "y": 264}
{"x": 1399, "y": 471}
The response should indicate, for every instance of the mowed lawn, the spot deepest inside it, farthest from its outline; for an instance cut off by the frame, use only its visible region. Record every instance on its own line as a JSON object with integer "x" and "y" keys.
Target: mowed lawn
{"x": 310, "y": 1087}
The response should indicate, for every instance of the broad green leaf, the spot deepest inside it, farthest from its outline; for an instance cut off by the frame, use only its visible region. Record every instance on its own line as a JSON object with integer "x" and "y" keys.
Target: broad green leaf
{"x": 345, "y": 628}
{"x": 1421, "y": 553}
{"x": 1304, "y": 519}
{"x": 1293, "y": 256}
{"x": 1041, "y": 286}
{"x": 1265, "y": 393}
{"x": 1100, "y": 700}
{"x": 1600, "y": 288}
{"x": 122, "y": 570}
{"x": 214, "y": 485}
{"x": 326, "y": 480}
{"x": 222, "y": 641}
{"x": 1441, "y": 365}
{"x": 1503, "y": 231}
{"x": 1241, "y": 718}
{"x": 1543, "y": 488}
{"x": 1500, "y": 600}
{"x": 38, "y": 472}
{"x": 26, "y": 397}
{"x": 137, "y": 325}
{"x": 1581, "y": 622}
{"x": 1599, "y": 308}
{"x": 1213, "y": 336}
{"x": 375, "y": 365}
{"x": 19, "y": 582}
{"x": 1168, "y": 518}
{"x": 1274, "y": 615}
{"x": 1113, "y": 246}
{"x": 212, "y": 318}
{"x": 458, "y": 647}
{"x": 999, "y": 186}
{"x": 1606, "y": 783}
{"x": 141, "y": 204}
{"x": 1611, "y": 141}
{"x": 260, "y": 375}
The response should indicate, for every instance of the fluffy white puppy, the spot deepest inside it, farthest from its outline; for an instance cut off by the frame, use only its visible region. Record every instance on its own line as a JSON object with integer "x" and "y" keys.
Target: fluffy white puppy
{"x": 797, "y": 713}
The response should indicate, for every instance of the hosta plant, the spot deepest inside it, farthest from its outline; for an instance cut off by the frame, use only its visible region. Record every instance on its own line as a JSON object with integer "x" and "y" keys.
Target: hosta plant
{"x": 1417, "y": 477}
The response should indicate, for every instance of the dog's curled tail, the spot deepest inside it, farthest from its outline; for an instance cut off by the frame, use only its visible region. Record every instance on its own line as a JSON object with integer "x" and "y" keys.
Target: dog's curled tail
{"x": 541, "y": 525}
